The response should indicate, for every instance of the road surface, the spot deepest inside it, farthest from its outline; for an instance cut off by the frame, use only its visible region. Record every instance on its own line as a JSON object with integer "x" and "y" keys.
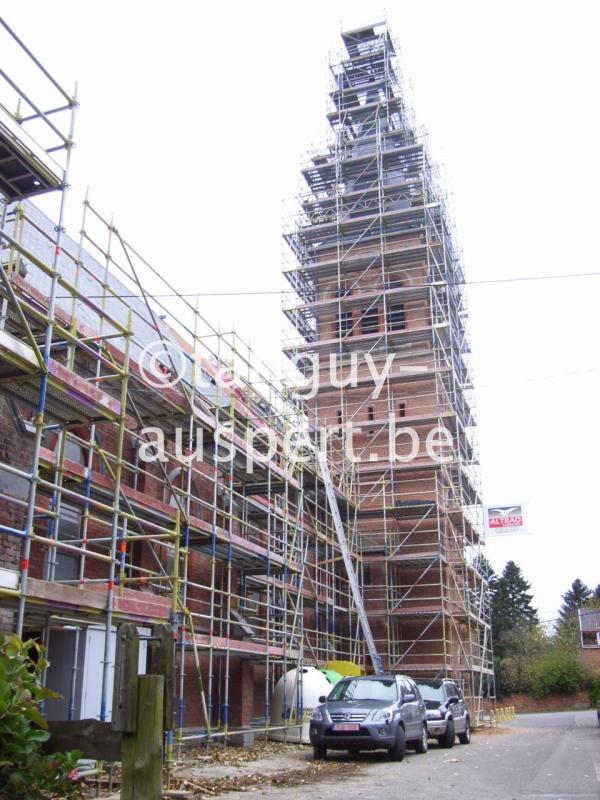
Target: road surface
{"x": 536, "y": 757}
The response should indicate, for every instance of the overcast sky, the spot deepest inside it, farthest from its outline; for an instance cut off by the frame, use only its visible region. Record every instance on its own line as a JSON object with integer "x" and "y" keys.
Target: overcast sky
{"x": 194, "y": 120}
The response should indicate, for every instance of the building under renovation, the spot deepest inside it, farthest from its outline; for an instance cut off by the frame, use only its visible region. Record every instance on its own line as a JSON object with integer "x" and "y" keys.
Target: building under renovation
{"x": 153, "y": 470}
{"x": 379, "y": 291}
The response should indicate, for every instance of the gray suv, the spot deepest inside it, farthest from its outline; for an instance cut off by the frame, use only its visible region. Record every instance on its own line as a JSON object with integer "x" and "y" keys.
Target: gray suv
{"x": 447, "y": 712}
{"x": 370, "y": 713}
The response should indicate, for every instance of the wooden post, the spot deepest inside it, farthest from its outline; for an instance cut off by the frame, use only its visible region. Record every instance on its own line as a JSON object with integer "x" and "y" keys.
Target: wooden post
{"x": 126, "y": 679}
{"x": 163, "y": 663}
{"x": 141, "y": 753}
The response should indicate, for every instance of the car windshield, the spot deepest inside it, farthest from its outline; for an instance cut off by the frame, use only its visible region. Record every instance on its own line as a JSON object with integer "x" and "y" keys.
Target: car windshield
{"x": 365, "y": 690}
{"x": 434, "y": 692}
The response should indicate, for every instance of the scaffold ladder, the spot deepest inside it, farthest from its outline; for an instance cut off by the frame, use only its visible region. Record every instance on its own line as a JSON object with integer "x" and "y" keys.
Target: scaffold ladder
{"x": 356, "y": 593}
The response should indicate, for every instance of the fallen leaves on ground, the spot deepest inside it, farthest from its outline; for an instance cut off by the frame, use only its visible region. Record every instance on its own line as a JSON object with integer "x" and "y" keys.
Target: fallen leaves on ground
{"x": 212, "y": 787}
{"x": 235, "y": 756}
{"x": 492, "y": 731}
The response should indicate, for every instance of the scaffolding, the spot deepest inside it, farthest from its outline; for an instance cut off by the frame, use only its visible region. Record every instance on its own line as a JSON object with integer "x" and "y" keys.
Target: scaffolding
{"x": 378, "y": 285}
{"x": 154, "y": 470}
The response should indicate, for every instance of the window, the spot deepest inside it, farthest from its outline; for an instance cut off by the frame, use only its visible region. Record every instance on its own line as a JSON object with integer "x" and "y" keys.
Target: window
{"x": 69, "y": 527}
{"x": 365, "y": 689}
{"x": 344, "y": 323}
{"x": 169, "y": 567}
{"x": 406, "y": 688}
{"x": 432, "y": 693}
{"x": 371, "y": 418}
{"x": 251, "y": 601}
{"x": 402, "y": 409}
{"x": 369, "y": 320}
{"x": 396, "y": 317}
{"x": 74, "y": 452}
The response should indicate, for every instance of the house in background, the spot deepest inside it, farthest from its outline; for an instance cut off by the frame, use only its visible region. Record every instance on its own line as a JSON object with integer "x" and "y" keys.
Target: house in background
{"x": 589, "y": 630}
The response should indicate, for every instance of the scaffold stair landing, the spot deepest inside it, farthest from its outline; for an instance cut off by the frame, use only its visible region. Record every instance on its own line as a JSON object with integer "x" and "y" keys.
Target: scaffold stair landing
{"x": 352, "y": 580}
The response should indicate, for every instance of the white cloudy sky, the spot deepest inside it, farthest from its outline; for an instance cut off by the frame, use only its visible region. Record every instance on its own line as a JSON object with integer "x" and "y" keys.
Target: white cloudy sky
{"x": 195, "y": 117}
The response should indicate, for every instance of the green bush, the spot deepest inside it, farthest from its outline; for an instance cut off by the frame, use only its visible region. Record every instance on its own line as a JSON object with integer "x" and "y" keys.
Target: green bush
{"x": 560, "y": 671}
{"x": 595, "y": 689}
{"x": 522, "y": 648}
{"x": 25, "y": 771}
{"x": 515, "y": 675}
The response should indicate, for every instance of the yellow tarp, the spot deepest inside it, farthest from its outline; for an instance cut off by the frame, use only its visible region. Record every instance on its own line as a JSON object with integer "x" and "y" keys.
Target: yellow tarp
{"x": 345, "y": 668}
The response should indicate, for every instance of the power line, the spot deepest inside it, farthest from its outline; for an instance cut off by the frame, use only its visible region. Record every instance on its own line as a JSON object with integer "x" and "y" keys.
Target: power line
{"x": 522, "y": 279}
{"x": 535, "y": 378}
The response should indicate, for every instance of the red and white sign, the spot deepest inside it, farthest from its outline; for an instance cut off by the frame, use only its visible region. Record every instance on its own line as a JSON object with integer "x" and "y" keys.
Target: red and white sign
{"x": 504, "y": 520}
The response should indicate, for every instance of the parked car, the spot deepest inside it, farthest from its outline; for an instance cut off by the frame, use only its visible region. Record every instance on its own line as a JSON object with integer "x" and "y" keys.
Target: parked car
{"x": 373, "y": 712}
{"x": 447, "y": 712}
{"x": 598, "y": 711}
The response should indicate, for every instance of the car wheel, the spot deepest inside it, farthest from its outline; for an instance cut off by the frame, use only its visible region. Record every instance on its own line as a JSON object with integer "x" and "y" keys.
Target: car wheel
{"x": 447, "y": 740}
{"x": 396, "y": 753}
{"x": 319, "y": 751}
{"x": 422, "y": 743}
{"x": 465, "y": 738}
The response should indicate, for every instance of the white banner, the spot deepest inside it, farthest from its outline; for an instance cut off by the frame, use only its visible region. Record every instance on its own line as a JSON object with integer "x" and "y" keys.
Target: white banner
{"x": 505, "y": 520}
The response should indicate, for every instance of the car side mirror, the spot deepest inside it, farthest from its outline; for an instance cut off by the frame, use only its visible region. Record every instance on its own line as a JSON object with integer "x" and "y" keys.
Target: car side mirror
{"x": 322, "y": 699}
{"x": 409, "y": 697}
{"x": 452, "y": 700}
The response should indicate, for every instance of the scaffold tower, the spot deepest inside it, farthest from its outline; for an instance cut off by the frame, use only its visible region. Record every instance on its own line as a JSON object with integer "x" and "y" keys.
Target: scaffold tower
{"x": 378, "y": 289}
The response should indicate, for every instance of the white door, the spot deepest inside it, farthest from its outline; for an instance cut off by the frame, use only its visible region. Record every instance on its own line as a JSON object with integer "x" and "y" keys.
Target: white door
{"x": 91, "y": 696}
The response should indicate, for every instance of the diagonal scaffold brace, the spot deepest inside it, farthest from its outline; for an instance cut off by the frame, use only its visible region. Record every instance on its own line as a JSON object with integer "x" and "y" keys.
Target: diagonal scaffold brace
{"x": 352, "y": 579}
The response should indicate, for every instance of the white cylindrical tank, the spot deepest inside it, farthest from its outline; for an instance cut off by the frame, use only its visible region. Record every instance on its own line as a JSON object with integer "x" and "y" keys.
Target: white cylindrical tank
{"x": 307, "y": 684}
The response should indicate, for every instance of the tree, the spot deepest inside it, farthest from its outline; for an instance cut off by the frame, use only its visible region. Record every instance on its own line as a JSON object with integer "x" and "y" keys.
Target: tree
{"x": 486, "y": 569}
{"x": 573, "y": 599}
{"x": 511, "y": 607}
{"x": 596, "y": 593}
{"x": 523, "y": 648}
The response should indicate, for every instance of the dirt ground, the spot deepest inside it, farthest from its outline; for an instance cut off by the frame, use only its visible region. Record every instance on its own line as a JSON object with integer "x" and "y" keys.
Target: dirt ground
{"x": 198, "y": 773}
{"x": 266, "y": 764}
{"x": 269, "y": 764}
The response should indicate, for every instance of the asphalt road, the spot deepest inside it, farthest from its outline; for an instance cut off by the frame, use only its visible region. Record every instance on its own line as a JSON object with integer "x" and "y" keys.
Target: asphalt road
{"x": 535, "y": 757}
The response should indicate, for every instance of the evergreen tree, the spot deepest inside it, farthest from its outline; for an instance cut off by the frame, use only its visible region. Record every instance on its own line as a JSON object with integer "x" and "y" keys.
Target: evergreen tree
{"x": 512, "y": 610}
{"x": 483, "y": 566}
{"x": 486, "y": 569}
{"x": 596, "y": 593}
{"x": 573, "y": 599}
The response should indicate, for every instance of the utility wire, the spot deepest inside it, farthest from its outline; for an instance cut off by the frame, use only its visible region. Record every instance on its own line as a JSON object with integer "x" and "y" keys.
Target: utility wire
{"x": 523, "y": 279}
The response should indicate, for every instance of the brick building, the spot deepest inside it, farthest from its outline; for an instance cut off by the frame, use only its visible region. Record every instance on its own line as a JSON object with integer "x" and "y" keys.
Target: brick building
{"x": 153, "y": 470}
{"x": 379, "y": 288}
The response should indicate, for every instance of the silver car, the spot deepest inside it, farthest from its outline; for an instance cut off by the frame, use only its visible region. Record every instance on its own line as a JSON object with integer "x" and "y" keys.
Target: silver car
{"x": 447, "y": 712}
{"x": 370, "y": 713}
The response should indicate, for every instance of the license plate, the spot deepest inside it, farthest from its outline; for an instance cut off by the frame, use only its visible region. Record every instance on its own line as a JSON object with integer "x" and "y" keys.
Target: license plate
{"x": 346, "y": 726}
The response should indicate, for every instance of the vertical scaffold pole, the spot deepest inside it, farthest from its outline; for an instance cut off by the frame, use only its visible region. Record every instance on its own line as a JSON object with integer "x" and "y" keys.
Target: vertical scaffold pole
{"x": 41, "y": 407}
{"x": 116, "y": 517}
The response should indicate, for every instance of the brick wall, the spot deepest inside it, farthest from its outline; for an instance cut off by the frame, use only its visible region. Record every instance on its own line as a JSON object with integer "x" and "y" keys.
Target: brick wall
{"x": 16, "y": 449}
{"x": 591, "y": 658}
{"x": 528, "y": 704}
